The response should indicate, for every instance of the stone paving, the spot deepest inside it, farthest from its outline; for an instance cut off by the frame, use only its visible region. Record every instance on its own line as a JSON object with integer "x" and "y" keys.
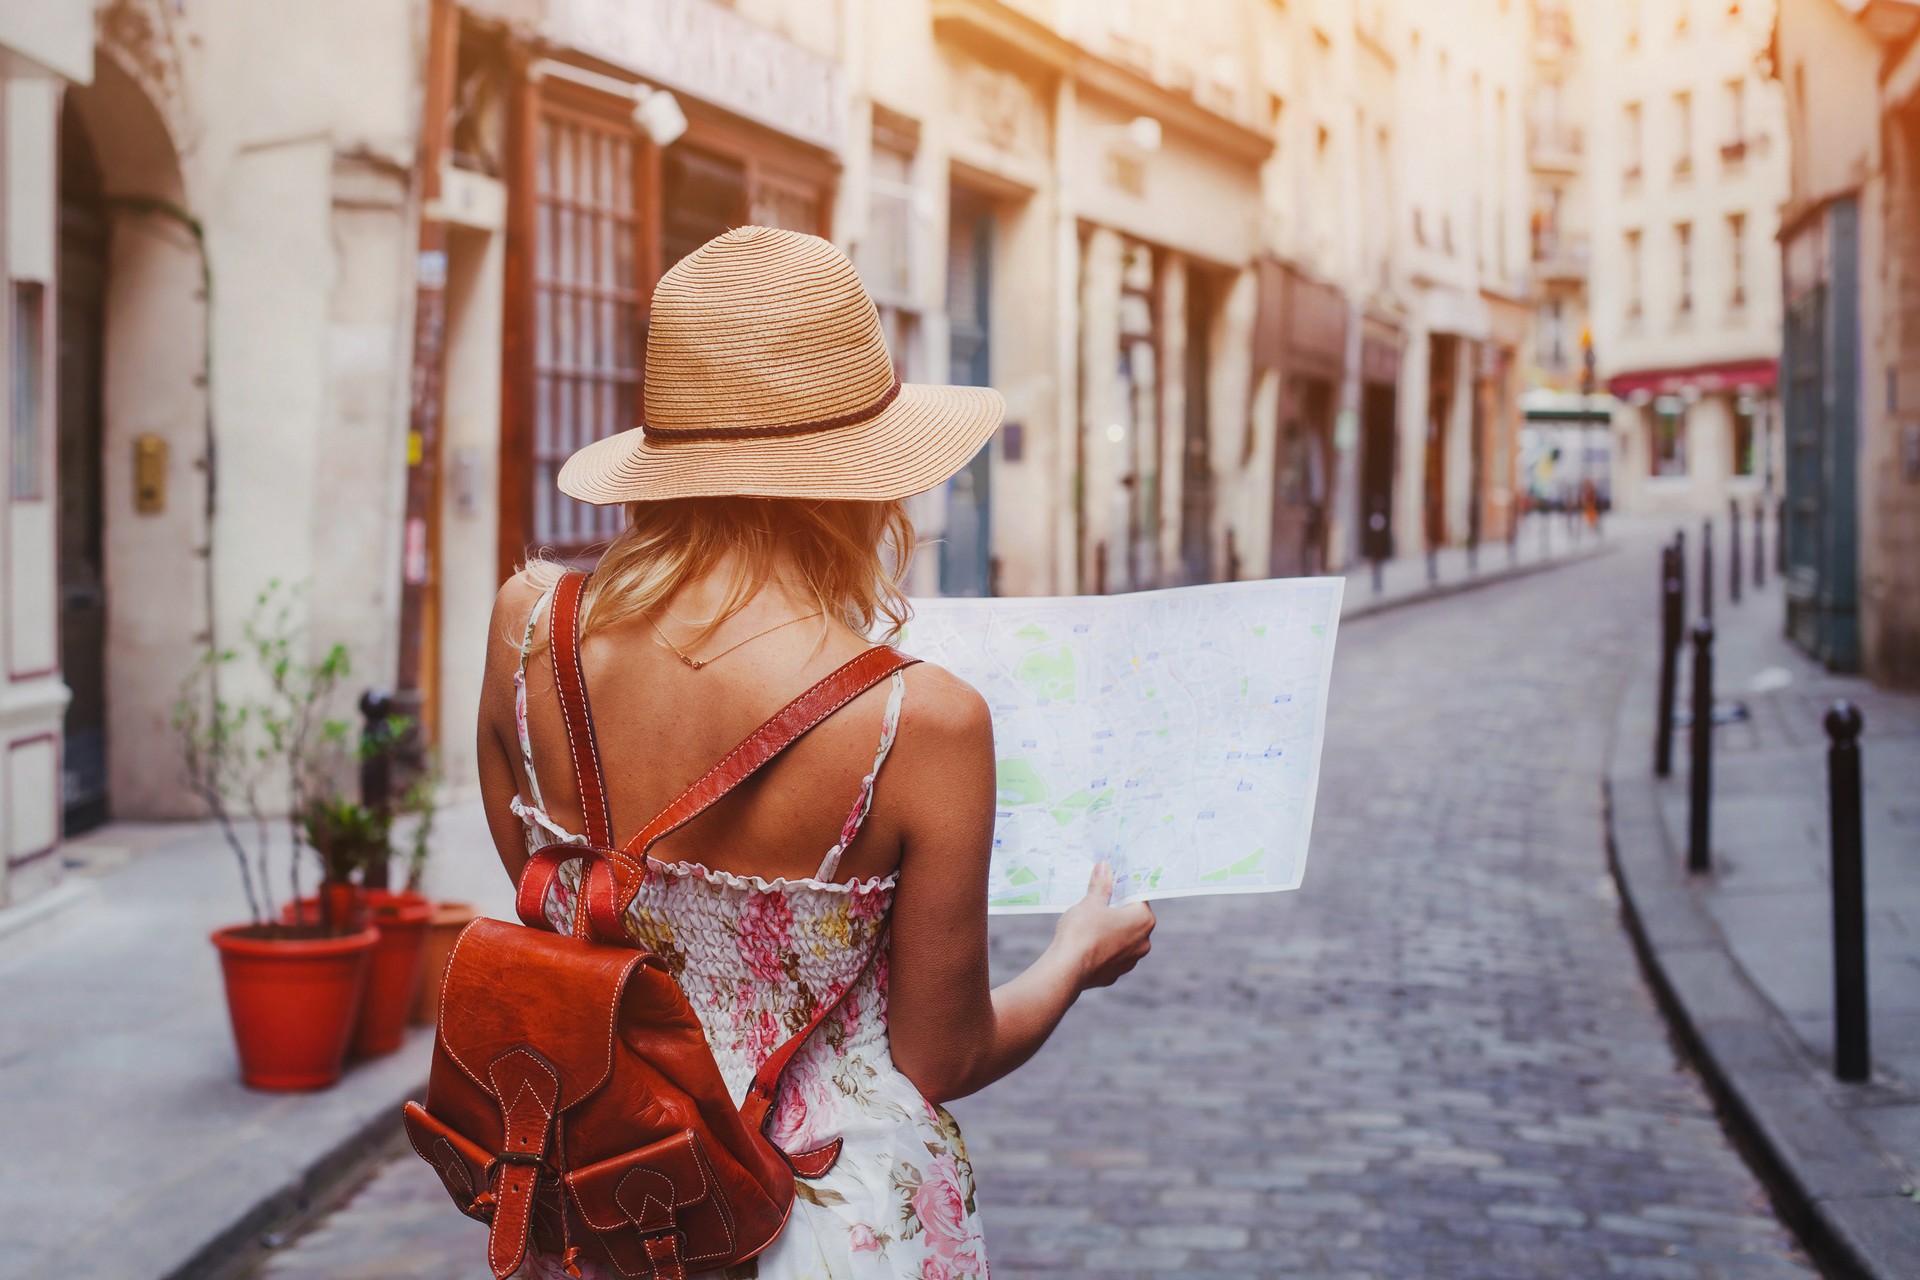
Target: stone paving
{"x": 1437, "y": 1059}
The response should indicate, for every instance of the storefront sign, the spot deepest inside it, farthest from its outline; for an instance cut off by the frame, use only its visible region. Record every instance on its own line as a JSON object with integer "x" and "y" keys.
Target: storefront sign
{"x": 699, "y": 49}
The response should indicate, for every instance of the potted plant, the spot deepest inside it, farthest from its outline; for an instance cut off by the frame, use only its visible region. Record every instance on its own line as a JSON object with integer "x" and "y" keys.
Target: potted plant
{"x": 252, "y": 726}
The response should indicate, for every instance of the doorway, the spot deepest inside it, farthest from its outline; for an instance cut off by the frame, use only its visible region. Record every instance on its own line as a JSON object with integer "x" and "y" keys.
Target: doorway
{"x": 1378, "y": 428}
{"x": 80, "y": 435}
{"x": 1441, "y": 361}
{"x": 1300, "y": 479}
{"x": 966, "y": 558}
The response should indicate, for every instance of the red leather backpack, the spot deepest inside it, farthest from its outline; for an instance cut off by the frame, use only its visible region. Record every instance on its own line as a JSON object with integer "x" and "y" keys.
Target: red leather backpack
{"x": 573, "y": 1102}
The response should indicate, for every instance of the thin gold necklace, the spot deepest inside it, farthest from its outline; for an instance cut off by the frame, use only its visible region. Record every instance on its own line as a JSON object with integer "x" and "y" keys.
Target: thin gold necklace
{"x": 695, "y": 664}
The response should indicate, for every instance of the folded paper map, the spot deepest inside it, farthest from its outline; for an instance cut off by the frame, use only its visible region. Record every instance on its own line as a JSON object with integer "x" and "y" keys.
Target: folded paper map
{"x": 1175, "y": 734}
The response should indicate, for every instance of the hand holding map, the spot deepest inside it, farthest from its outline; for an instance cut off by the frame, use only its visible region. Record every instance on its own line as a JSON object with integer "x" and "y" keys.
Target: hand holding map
{"x": 1175, "y": 734}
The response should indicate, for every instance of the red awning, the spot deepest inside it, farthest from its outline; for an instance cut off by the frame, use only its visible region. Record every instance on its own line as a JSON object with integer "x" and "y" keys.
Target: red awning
{"x": 1738, "y": 375}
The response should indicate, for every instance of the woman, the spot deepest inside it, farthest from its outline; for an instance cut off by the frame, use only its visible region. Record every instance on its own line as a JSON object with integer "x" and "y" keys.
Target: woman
{"x": 767, "y": 542}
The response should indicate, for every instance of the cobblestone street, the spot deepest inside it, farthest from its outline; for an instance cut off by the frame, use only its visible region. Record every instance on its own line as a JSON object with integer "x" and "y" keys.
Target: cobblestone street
{"x": 1437, "y": 1059}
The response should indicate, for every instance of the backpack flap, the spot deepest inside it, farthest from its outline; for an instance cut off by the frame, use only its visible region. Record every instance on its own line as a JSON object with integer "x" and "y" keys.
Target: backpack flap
{"x": 509, "y": 987}
{"x": 643, "y": 1208}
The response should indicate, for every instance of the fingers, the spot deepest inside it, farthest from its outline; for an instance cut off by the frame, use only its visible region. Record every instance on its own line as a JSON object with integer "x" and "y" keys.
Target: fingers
{"x": 1100, "y": 883}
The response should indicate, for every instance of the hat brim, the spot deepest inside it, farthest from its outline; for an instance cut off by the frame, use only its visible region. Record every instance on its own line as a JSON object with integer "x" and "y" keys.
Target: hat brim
{"x": 926, "y": 435}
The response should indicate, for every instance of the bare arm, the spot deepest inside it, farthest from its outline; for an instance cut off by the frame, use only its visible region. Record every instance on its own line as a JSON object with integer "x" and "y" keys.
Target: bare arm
{"x": 952, "y": 1034}
{"x": 497, "y": 743}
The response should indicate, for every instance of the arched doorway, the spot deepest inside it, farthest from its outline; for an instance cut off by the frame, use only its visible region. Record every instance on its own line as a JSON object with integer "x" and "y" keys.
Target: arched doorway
{"x": 134, "y": 540}
{"x": 81, "y": 445}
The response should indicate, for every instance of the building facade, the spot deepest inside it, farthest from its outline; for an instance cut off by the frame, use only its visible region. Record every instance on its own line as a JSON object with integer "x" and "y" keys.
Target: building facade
{"x": 44, "y": 49}
{"x": 1255, "y": 304}
{"x": 1850, "y": 258}
{"x": 1688, "y": 168}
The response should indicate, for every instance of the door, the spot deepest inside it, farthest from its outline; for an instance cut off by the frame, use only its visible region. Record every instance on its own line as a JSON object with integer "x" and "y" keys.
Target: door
{"x": 1441, "y": 366}
{"x": 1378, "y": 410}
{"x": 1196, "y": 470}
{"x": 966, "y": 559}
{"x": 83, "y": 591}
{"x": 1299, "y": 480}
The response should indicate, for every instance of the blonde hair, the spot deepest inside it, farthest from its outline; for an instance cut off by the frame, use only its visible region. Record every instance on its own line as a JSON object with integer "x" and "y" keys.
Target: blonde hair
{"x": 846, "y": 559}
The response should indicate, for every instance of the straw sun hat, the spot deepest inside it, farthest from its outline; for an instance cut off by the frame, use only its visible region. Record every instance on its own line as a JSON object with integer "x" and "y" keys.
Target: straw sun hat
{"x": 767, "y": 375}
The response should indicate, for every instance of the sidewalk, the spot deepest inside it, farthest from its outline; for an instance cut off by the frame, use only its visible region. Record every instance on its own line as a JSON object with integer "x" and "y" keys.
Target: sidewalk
{"x": 134, "y": 1152}
{"x": 1743, "y": 956}
{"x": 1544, "y": 540}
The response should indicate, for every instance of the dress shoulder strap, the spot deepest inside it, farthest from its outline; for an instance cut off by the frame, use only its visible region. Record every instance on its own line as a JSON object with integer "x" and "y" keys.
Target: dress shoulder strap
{"x": 863, "y": 803}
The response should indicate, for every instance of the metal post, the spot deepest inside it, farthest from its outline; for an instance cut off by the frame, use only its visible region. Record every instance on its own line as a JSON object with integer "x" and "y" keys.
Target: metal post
{"x": 1699, "y": 825}
{"x": 1433, "y": 567}
{"x": 1376, "y": 575}
{"x": 1850, "y": 1055}
{"x": 377, "y": 707}
{"x": 1680, "y": 550}
{"x": 1733, "y": 552}
{"x": 1706, "y": 569}
{"x": 1759, "y": 543}
{"x": 1672, "y": 606}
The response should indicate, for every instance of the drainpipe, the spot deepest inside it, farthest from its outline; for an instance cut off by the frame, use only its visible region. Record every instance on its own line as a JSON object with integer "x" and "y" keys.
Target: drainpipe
{"x": 420, "y": 542}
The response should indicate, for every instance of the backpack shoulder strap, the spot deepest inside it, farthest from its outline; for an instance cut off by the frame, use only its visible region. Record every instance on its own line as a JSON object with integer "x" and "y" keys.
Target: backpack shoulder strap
{"x": 564, "y": 643}
{"x": 610, "y": 888}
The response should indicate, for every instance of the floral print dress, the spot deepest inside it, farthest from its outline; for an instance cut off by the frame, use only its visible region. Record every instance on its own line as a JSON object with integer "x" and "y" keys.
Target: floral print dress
{"x": 756, "y": 959}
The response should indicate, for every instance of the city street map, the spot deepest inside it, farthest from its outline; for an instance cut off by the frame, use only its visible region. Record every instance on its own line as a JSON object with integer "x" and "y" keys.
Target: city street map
{"x": 1175, "y": 734}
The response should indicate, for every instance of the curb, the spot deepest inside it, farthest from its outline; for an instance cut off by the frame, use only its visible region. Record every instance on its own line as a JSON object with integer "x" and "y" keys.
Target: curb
{"x": 1798, "y": 1128}
{"x": 1372, "y": 605}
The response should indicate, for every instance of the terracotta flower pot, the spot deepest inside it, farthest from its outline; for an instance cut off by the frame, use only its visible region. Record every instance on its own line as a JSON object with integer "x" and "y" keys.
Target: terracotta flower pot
{"x": 393, "y": 975}
{"x": 293, "y": 1001}
{"x": 449, "y": 918}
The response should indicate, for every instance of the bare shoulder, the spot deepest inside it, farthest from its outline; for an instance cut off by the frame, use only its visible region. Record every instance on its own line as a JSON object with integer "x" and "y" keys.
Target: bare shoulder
{"x": 514, "y": 601}
{"x": 943, "y": 712}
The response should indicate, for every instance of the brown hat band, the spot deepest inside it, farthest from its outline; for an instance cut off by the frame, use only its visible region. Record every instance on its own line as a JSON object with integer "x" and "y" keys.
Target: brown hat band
{"x": 669, "y": 435}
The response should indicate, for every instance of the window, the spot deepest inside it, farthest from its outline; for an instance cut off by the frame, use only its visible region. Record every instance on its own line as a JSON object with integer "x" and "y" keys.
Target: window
{"x": 1632, "y": 138}
{"x": 1746, "y": 439}
{"x": 1683, "y": 243}
{"x": 1667, "y": 436}
{"x": 1634, "y": 307}
{"x": 1551, "y": 339}
{"x": 1734, "y": 149}
{"x": 1737, "y": 246}
{"x": 29, "y": 389}
{"x": 587, "y": 301}
{"x": 887, "y": 254}
{"x": 1683, "y": 134}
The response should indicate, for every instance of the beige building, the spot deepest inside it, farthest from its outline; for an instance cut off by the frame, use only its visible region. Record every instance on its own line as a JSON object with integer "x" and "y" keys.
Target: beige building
{"x": 1850, "y": 254}
{"x": 1464, "y": 253}
{"x": 1251, "y": 283}
{"x": 1688, "y": 169}
{"x": 44, "y": 48}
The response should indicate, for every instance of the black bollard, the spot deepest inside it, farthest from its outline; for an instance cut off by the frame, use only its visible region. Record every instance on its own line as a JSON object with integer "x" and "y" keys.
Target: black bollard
{"x": 1433, "y": 567}
{"x": 1759, "y": 543}
{"x": 1376, "y": 575}
{"x": 1706, "y": 569}
{"x": 1680, "y": 551}
{"x": 1733, "y": 552}
{"x": 1672, "y": 606}
{"x": 1850, "y": 1056}
{"x": 1699, "y": 825}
